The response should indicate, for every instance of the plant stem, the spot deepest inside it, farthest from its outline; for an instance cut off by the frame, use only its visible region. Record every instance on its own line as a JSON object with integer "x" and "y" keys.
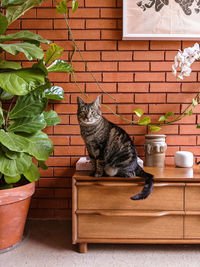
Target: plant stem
{"x": 85, "y": 63}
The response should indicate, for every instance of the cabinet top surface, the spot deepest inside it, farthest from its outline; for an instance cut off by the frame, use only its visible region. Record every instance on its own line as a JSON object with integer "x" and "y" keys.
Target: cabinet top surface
{"x": 168, "y": 173}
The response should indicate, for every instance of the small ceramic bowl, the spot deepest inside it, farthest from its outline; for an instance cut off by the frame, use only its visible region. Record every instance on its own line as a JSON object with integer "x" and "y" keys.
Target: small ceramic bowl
{"x": 183, "y": 159}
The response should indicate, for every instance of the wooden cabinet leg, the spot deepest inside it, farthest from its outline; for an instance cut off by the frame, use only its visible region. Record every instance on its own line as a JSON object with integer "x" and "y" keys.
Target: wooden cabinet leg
{"x": 82, "y": 247}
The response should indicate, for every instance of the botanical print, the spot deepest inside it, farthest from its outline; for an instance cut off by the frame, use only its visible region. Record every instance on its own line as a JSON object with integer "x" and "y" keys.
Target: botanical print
{"x": 152, "y": 19}
{"x": 188, "y": 6}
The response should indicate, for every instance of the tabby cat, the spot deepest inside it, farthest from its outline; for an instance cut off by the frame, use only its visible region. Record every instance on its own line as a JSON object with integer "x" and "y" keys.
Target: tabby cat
{"x": 110, "y": 148}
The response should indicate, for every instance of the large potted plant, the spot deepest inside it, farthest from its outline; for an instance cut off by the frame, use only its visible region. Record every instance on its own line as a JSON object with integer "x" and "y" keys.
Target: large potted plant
{"x": 24, "y": 95}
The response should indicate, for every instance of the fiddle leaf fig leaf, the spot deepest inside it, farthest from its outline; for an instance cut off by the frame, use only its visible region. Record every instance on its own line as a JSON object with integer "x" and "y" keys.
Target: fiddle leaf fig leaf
{"x": 154, "y": 128}
{"x": 12, "y": 179}
{"x": 144, "y": 121}
{"x": 9, "y": 65}
{"x": 60, "y": 66}
{"x": 28, "y": 106}
{"x": 21, "y": 82}
{"x": 23, "y": 36}
{"x": 53, "y": 52}
{"x": 14, "y": 12}
{"x": 55, "y": 93}
{"x": 32, "y": 174}
{"x": 6, "y": 96}
{"x": 3, "y": 23}
{"x": 13, "y": 141}
{"x": 42, "y": 164}
{"x": 28, "y": 125}
{"x": 40, "y": 65}
{"x": 139, "y": 112}
{"x": 13, "y": 167}
{"x": 51, "y": 118}
{"x": 2, "y": 121}
{"x": 40, "y": 146}
{"x": 31, "y": 51}
{"x": 74, "y": 5}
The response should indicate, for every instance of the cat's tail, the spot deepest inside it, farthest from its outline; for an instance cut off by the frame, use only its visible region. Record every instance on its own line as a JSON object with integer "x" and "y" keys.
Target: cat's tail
{"x": 148, "y": 187}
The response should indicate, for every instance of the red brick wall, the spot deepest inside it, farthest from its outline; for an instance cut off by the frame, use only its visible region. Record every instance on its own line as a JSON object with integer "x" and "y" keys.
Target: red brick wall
{"x": 137, "y": 73}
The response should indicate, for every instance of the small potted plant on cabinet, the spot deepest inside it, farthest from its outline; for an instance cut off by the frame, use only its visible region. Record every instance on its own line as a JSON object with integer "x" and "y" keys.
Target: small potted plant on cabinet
{"x": 24, "y": 95}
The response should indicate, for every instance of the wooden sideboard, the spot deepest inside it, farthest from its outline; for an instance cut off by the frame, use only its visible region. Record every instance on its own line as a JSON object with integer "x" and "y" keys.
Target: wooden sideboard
{"x": 102, "y": 211}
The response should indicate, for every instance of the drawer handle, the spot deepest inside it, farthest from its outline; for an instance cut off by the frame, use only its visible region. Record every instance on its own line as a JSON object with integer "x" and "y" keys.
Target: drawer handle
{"x": 129, "y": 213}
{"x": 107, "y": 184}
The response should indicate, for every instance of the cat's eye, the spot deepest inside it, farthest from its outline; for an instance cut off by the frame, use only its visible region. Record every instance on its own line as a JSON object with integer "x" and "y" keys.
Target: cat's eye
{"x": 93, "y": 112}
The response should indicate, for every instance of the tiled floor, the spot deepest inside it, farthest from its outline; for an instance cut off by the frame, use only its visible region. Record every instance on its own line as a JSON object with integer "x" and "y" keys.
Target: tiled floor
{"x": 48, "y": 244}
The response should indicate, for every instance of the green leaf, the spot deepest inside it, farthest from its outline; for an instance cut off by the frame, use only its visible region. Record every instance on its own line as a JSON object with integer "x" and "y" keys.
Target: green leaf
{"x": 31, "y": 51}
{"x": 168, "y": 114}
{"x": 55, "y": 93}
{"x": 13, "y": 141}
{"x": 42, "y": 164}
{"x": 144, "y": 121}
{"x": 8, "y": 186}
{"x": 62, "y": 7}
{"x": 32, "y": 174}
{"x": 6, "y": 3}
{"x": 163, "y": 118}
{"x": 15, "y": 12}
{"x": 12, "y": 179}
{"x": 154, "y": 128}
{"x": 28, "y": 105}
{"x": 198, "y": 126}
{"x": 28, "y": 125}
{"x": 40, "y": 146}
{"x": 21, "y": 82}
{"x": 3, "y": 23}
{"x": 194, "y": 102}
{"x": 2, "y": 121}
{"x": 53, "y": 52}
{"x": 23, "y": 36}
{"x": 4, "y": 64}
{"x": 60, "y": 66}
{"x": 189, "y": 112}
{"x": 40, "y": 65}
{"x": 13, "y": 167}
{"x": 74, "y": 5}
{"x": 51, "y": 118}
{"x": 139, "y": 112}
{"x": 6, "y": 96}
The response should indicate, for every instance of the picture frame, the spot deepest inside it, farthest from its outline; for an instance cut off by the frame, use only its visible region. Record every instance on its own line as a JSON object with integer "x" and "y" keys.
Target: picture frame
{"x": 161, "y": 20}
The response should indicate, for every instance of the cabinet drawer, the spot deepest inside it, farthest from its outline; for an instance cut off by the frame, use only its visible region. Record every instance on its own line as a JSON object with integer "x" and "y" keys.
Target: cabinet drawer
{"x": 192, "y": 196}
{"x": 112, "y": 195}
{"x": 100, "y": 226}
{"x": 192, "y": 226}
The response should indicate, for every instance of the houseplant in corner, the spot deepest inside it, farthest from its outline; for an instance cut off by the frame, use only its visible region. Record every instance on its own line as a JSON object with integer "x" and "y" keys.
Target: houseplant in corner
{"x": 24, "y": 95}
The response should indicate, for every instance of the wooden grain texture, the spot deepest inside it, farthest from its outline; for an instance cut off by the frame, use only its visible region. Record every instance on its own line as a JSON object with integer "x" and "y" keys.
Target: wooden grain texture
{"x": 117, "y": 196}
{"x": 97, "y": 226}
{"x": 192, "y": 226}
{"x": 168, "y": 174}
{"x": 192, "y": 197}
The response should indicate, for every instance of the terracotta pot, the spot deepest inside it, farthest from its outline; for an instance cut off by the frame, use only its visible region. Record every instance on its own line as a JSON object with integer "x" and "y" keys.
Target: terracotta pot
{"x": 155, "y": 148}
{"x": 14, "y": 205}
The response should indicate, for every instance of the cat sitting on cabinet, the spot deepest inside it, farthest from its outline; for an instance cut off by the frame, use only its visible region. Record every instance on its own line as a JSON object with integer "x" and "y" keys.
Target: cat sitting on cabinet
{"x": 110, "y": 148}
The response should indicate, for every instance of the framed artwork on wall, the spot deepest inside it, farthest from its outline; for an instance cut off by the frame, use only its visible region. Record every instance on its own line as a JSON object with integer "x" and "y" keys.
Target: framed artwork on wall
{"x": 161, "y": 20}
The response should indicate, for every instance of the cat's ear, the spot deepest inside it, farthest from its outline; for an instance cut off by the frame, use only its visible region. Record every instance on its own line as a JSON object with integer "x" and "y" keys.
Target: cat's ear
{"x": 80, "y": 101}
{"x": 97, "y": 102}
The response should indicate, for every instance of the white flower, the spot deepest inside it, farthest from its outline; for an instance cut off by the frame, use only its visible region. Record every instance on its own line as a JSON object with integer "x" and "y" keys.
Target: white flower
{"x": 184, "y": 60}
